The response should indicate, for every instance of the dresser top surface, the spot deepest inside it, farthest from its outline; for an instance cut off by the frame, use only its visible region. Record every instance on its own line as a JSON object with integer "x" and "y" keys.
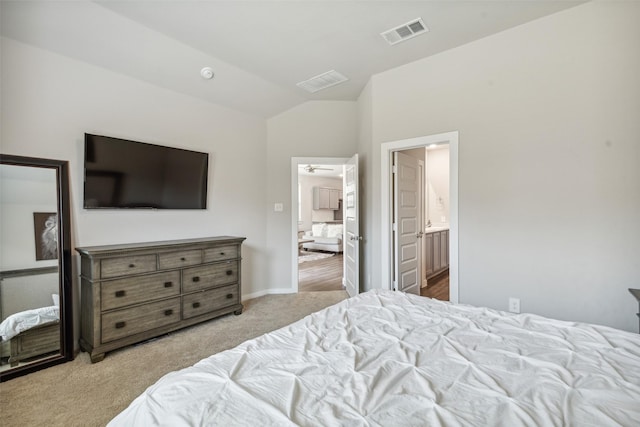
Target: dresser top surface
{"x": 95, "y": 250}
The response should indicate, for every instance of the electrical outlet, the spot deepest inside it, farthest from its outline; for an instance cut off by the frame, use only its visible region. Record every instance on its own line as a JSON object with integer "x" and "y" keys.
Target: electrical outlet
{"x": 514, "y": 305}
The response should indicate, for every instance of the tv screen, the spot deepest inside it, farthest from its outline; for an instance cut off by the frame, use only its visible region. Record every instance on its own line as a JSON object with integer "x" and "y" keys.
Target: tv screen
{"x": 125, "y": 174}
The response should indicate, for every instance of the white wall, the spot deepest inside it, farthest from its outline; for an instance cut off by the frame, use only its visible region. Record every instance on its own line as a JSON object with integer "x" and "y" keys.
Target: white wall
{"x": 24, "y": 191}
{"x": 437, "y": 178}
{"x": 313, "y": 129}
{"x": 549, "y": 174}
{"x": 49, "y": 101}
{"x": 369, "y": 209}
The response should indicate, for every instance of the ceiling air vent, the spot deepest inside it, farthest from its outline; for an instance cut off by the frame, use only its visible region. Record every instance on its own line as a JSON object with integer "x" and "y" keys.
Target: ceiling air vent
{"x": 322, "y": 81}
{"x": 405, "y": 31}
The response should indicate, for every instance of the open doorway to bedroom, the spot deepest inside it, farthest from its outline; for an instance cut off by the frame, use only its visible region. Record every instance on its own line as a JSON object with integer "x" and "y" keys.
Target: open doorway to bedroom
{"x": 319, "y": 253}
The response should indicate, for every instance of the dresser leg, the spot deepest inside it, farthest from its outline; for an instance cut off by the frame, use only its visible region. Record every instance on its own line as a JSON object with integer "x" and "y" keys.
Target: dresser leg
{"x": 238, "y": 311}
{"x": 95, "y": 358}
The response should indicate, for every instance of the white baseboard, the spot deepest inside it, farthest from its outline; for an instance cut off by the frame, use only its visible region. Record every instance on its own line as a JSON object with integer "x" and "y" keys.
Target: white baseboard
{"x": 262, "y": 293}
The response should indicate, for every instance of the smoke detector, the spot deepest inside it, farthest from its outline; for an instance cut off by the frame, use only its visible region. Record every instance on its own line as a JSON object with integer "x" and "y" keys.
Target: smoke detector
{"x": 322, "y": 81}
{"x": 405, "y": 31}
{"x": 207, "y": 73}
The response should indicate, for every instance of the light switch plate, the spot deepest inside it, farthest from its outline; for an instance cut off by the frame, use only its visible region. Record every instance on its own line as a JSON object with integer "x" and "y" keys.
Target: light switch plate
{"x": 278, "y": 207}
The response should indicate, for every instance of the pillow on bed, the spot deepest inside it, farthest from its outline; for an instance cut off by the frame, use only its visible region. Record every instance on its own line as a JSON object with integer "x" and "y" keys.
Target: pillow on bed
{"x": 56, "y": 299}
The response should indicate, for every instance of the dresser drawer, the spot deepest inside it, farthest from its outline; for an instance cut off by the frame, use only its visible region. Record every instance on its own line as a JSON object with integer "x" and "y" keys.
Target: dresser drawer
{"x": 129, "y": 321}
{"x": 133, "y": 290}
{"x": 114, "y": 267}
{"x": 206, "y": 276}
{"x": 209, "y": 300}
{"x": 179, "y": 259}
{"x": 221, "y": 253}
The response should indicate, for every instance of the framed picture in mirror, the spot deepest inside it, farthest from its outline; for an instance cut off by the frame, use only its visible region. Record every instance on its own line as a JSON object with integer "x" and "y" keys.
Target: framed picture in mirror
{"x": 45, "y": 226}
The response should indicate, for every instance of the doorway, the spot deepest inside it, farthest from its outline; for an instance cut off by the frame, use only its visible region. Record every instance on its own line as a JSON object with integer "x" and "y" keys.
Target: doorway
{"x": 317, "y": 224}
{"x": 387, "y": 212}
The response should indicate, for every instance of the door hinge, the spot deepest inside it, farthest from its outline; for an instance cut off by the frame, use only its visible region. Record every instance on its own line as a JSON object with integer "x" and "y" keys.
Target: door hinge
{"x": 394, "y": 169}
{"x": 395, "y": 285}
{"x": 394, "y": 227}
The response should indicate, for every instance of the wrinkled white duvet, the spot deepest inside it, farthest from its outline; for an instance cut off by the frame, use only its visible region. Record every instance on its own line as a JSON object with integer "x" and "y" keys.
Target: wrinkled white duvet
{"x": 389, "y": 359}
{"x": 25, "y": 320}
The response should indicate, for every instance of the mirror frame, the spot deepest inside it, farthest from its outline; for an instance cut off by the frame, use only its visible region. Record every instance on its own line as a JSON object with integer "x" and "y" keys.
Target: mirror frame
{"x": 64, "y": 263}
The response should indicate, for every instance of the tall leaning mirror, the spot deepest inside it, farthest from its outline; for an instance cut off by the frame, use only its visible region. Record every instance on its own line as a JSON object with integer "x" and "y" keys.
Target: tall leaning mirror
{"x": 36, "y": 329}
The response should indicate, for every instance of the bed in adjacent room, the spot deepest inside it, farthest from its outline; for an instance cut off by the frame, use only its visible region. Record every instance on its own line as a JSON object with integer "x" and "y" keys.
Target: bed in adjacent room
{"x": 388, "y": 358}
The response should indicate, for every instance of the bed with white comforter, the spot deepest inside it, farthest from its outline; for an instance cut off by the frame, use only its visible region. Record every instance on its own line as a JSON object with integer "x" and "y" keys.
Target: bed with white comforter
{"x": 386, "y": 358}
{"x": 28, "y": 319}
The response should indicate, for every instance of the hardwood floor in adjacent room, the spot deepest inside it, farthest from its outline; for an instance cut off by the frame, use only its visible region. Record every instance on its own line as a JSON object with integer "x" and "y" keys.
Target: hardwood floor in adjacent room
{"x": 437, "y": 287}
{"x": 326, "y": 275}
{"x": 320, "y": 275}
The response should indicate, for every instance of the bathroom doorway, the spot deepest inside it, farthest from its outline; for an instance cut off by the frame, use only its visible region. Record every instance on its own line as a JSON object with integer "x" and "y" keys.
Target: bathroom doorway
{"x": 445, "y": 233}
{"x": 420, "y": 215}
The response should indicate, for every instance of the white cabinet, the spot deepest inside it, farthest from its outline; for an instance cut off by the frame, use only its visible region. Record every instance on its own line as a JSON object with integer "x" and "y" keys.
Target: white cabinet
{"x": 334, "y": 197}
{"x": 436, "y": 252}
{"x": 326, "y": 198}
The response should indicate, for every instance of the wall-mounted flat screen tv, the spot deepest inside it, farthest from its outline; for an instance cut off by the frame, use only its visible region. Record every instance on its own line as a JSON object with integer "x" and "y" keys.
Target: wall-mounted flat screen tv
{"x": 126, "y": 174}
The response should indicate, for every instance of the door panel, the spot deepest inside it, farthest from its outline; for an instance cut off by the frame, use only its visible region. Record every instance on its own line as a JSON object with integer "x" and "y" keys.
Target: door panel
{"x": 352, "y": 237}
{"x": 406, "y": 217}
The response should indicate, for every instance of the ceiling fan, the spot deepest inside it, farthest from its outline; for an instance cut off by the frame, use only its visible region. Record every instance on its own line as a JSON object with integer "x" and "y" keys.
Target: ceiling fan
{"x": 312, "y": 169}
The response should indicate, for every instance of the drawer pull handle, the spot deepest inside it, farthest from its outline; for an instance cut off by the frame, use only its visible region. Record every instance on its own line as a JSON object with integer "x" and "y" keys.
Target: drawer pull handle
{"x": 168, "y": 284}
{"x": 222, "y": 253}
{"x": 229, "y": 272}
{"x": 131, "y": 265}
{"x": 183, "y": 259}
{"x": 195, "y": 305}
{"x": 120, "y": 325}
{"x": 120, "y": 294}
{"x": 196, "y": 279}
{"x": 229, "y": 296}
{"x": 168, "y": 312}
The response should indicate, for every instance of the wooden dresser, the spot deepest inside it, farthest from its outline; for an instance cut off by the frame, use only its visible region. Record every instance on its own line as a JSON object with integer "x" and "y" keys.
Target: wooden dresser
{"x": 133, "y": 292}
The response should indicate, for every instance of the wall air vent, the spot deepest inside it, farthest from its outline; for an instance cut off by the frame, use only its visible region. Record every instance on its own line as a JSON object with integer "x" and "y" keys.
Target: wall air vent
{"x": 405, "y": 31}
{"x": 322, "y": 81}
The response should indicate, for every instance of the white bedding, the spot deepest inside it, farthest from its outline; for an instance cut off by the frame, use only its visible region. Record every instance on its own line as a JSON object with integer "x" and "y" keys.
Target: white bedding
{"x": 391, "y": 359}
{"x": 24, "y": 320}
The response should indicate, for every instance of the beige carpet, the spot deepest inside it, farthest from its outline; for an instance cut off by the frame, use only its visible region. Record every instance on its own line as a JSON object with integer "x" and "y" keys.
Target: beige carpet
{"x": 79, "y": 393}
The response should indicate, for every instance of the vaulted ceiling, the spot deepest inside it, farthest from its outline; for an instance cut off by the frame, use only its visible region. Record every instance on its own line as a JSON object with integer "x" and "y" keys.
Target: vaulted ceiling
{"x": 258, "y": 50}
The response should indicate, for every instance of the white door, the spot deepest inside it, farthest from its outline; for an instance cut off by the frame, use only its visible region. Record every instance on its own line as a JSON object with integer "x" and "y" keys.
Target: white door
{"x": 352, "y": 237}
{"x": 407, "y": 231}
{"x": 422, "y": 195}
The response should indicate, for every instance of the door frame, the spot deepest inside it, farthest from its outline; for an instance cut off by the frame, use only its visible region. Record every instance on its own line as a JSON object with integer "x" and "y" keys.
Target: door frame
{"x": 295, "y": 162}
{"x": 386, "y": 211}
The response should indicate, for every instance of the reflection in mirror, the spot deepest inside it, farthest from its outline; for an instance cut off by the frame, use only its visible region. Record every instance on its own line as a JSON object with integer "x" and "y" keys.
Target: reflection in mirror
{"x": 35, "y": 323}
